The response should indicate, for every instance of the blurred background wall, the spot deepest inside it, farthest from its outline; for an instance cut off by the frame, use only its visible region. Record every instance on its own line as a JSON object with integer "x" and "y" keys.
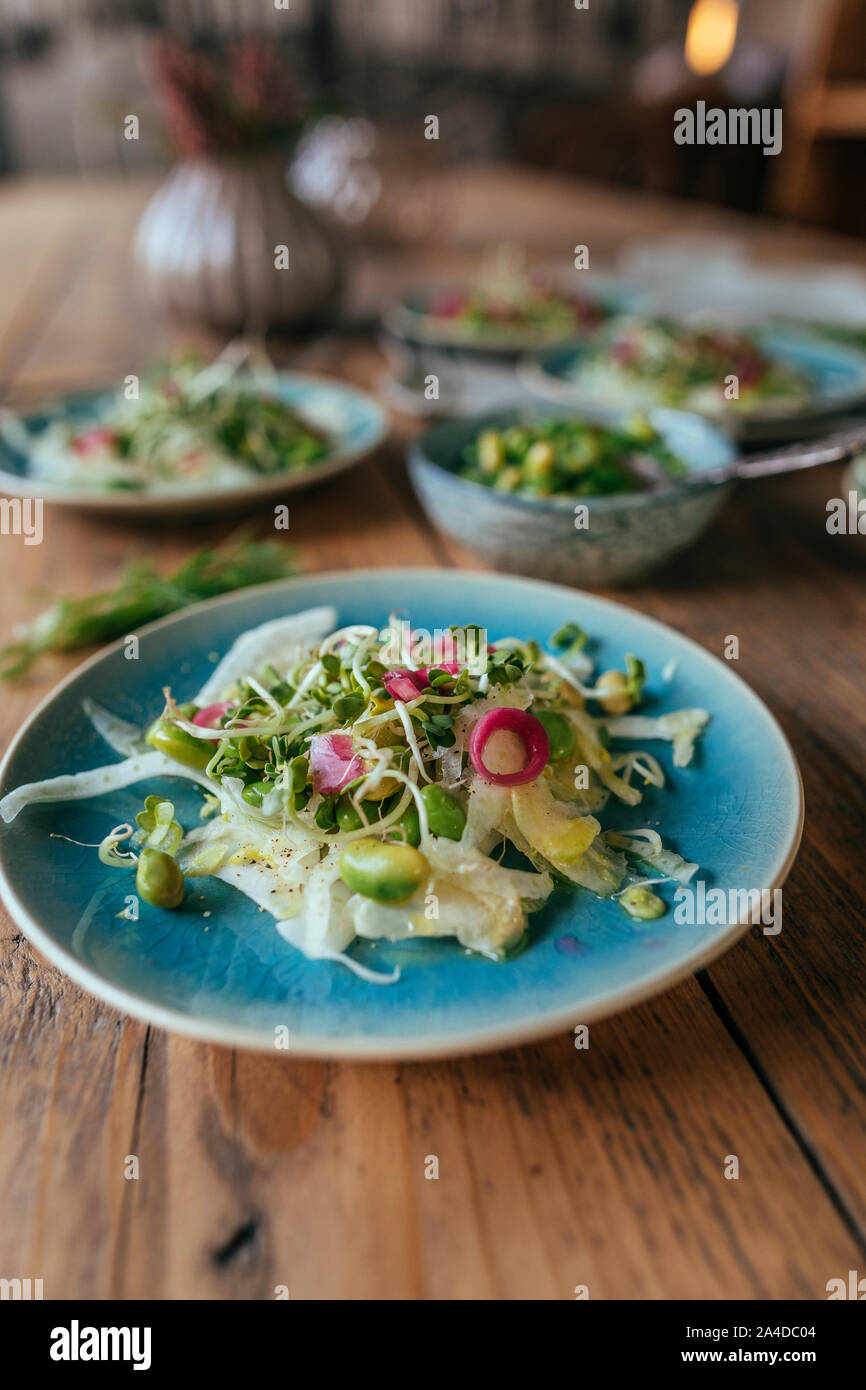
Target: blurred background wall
{"x": 589, "y": 93}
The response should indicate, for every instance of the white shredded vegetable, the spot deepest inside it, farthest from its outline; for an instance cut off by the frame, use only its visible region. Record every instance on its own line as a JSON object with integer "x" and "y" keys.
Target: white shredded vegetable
{"x": 77, "y": 786}
{"x": 680, "y": 727}
{"x": 120, "y": 735}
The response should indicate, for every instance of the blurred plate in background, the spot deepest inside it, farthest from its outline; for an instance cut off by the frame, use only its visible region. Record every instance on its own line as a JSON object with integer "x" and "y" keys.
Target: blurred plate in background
{"x": 836, "y": 375}
{"x": 413, "y": 318}
{"x": 354, "y": 422}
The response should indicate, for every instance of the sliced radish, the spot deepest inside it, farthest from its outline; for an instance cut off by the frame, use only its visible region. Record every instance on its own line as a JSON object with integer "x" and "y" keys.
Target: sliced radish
{"x": 210, "y": 716}
{"x": 402, "y": 685}
{"x": 406, "y": 685}
{"x": 93, "y": 441}
{"x": 334, "y": 762}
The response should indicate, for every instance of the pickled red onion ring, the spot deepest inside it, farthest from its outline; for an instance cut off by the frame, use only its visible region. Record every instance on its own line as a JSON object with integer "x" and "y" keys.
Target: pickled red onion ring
{"x": 528, "y": 730}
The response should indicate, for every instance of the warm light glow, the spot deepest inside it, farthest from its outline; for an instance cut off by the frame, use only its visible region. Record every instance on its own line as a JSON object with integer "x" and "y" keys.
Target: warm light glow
{"x": 711, "y": 34}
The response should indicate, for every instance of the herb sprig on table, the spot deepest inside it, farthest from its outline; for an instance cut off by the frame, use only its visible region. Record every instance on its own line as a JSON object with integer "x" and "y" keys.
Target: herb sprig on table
{"x": 143, "y": 594}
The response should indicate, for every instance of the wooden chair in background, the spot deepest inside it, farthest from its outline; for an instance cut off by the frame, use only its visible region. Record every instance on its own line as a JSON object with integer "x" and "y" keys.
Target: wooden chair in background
{"x": 821, "y": 172}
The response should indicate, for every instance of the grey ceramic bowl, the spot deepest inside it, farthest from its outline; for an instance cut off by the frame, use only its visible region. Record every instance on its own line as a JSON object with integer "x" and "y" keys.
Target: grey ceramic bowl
{"x": 627, "y": 535}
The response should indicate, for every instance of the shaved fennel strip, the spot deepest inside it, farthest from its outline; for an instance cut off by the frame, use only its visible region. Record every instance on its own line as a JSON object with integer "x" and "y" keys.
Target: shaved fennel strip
{"x": 97, "y": 781}
{"x": 120, "y": 735}
{"x": 266, "y": 644}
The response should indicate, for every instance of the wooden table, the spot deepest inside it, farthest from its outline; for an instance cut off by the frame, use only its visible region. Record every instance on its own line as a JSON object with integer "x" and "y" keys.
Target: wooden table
{"x": 557, "y": 1167}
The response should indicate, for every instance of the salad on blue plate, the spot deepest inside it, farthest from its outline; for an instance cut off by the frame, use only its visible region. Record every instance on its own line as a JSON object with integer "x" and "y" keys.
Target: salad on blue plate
{"x": 186, "y": 425}
{"x": 394, "y": 784}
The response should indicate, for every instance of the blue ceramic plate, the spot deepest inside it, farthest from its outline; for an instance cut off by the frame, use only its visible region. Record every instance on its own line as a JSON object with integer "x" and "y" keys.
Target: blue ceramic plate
{"x": 217, "y": 969}
{"x": 355, "y": 422}
{"x": 837, "y": 375}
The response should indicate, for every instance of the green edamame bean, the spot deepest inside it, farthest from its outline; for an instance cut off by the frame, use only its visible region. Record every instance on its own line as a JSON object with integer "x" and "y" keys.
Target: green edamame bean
{"x": 410, "y": 825}
{"x": 509, "y": 479}
{"x": 445, "y": 816}
{"x": 539, "y": 462}
{"x": 385, "y": 872}
{"x": 347, "y": 815}
{"x": 560, "y": 734}
{"x": 326, "y": 815}
{"x": 642, "y": 903}
{"x": 491, "y": 454}
{"x": 158, "y": 879}
{"x": 176, "y": 743}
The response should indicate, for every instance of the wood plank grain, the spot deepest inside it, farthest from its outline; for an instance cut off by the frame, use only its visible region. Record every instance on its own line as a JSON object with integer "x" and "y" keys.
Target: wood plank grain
{"x": 557, "y": 1167}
